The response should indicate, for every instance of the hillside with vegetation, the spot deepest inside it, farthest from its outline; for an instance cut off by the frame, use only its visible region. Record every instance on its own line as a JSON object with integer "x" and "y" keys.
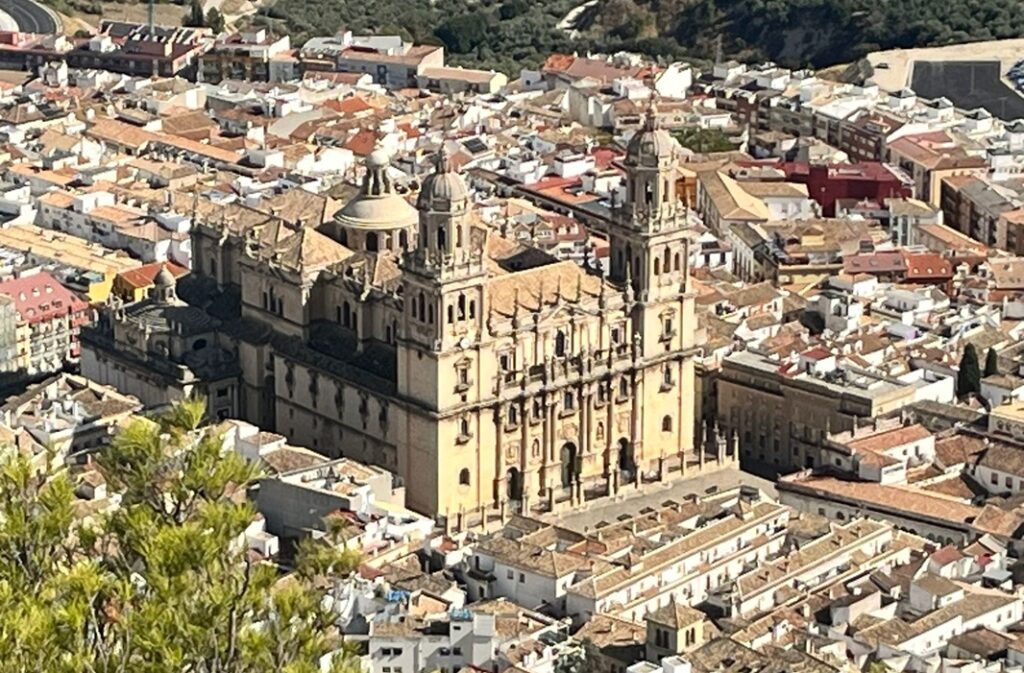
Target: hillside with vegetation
{"x": 505, "y": 35}
{"x": 510, "y": 34}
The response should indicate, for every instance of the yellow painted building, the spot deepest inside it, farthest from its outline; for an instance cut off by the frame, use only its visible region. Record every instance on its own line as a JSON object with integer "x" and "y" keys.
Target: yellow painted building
{"x": 97, "y": 265}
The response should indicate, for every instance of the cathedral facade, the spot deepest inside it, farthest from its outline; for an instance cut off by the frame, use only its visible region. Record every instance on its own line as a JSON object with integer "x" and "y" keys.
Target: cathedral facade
{"x": 486, "y": 374}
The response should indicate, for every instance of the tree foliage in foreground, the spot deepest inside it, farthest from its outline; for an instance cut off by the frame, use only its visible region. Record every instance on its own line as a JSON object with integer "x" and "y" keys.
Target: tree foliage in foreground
{"x": 163, "y": 583}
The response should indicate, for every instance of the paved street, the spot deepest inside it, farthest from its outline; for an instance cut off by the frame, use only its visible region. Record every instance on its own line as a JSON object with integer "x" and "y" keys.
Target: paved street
{"x": 30, "y": 16}
{"x": 656, "y": 494}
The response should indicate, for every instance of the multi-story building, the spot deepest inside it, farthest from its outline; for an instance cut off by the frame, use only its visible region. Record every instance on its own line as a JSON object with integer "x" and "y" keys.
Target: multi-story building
{"x": 392, "y": 62}
{"x": 50, "y": 318}
{"x": 782, "y": 409}
{"x": 247, "y": 56}
{"x": 10, "y": 363}
{"x": 486, "y": 374}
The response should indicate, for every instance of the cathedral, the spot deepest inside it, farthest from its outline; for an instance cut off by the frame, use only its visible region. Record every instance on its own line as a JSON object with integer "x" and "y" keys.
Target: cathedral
{"x": 486, "y": 374}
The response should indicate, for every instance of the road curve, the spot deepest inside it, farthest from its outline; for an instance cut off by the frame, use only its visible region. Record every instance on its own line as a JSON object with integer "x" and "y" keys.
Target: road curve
{"x": 30, "y": 16}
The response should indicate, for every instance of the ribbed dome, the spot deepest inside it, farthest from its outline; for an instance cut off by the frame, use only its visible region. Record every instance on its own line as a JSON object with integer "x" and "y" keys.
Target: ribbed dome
{"x": 651, "y": 145}
{"x": 164, "y": 278}
{"x": 377, "y": 206}
{"x": 443, "y": 187}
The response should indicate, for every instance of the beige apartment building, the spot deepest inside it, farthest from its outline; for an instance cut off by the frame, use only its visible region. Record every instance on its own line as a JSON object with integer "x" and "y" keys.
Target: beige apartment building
{"x": 781, "y": 410}
{"x": 487, "y": 374}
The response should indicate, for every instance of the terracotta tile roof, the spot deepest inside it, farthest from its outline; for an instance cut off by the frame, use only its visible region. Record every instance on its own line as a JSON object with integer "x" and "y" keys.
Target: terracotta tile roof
{"x": 362, "y": 142}
{"x": 352, "y": 105}
{"x": 890, "y": 439}
{"x": 927, "y": 266}
{"x": 895, "y": 498}
{"x": 143, "y": 276}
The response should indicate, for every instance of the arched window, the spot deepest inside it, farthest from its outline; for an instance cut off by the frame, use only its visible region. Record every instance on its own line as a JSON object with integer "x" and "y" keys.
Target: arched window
{"x": 415, "y": 312}
{"x": 458, "y": 236}
{"x": 560, "y": 343}
{"x": 430, "y": 315}
{"x": 464, "y": 477}
{"x": 451, "y": 314}
{"x": 649, "y": 193}
{"x": 678, "y": 265}
{"x": 464, "y": 426}
{"x": 568, "y": 401}
{"x": 668, "y": 260}
{"x": 462, "y": 307}
{"x": 472, "y": 308}
{"x": 513, "y": 415}
{"x": 387, "y": 334}
{"x": 403, "y": 239}
{"x": 666, "y": 424}
{"x": 371, "y": 241}
{"x": 346, "y": 315}
{"x": 423, "y": 306}
{"x": 442, "y": 238}
{"x": 623, "y": 387}
{"x": 213, "y": 267}
{"x": 657, "y": 266}
{"x": 666, "y": 375}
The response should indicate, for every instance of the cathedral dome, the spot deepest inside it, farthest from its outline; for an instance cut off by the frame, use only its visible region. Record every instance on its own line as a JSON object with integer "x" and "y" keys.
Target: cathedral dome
{"x": 651, "y": 145}
{"x": 443, "y": 187}
{"x": 164, "y": 279}
{"x": 377, "y": 206}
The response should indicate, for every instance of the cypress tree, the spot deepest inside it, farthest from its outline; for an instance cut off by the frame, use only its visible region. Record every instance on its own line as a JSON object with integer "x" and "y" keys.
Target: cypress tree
{"x": 968, "y": 378}
{"x": 991, "y": 362}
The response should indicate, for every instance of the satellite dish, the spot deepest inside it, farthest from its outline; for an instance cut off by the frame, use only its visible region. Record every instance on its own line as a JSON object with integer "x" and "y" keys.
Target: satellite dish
{"x": 465, "y": 343}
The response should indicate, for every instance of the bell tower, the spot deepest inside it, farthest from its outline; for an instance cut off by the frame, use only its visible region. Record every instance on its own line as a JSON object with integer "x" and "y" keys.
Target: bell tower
{"x": 650, "y": 243}
{"x": 444, "y": 272}
{"x": 650, "y": 240}
{"x": 439, "y": 354}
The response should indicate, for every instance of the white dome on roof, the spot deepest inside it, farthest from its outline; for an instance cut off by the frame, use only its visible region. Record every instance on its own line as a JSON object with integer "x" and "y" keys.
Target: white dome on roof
{"x": 651, "y": 145}
{"x": 443, "y": 187}
{"x": 377, "y": 206}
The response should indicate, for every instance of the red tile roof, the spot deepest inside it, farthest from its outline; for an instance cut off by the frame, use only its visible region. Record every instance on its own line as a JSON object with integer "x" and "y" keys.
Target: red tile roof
{"x": 927, "y": 265}
{"x": 143, "y": 276}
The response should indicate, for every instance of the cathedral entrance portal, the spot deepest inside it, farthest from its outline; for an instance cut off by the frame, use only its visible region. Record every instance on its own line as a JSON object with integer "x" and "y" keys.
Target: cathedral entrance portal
{"x": 627, "y": 461}
{"x": 570, "y": 469}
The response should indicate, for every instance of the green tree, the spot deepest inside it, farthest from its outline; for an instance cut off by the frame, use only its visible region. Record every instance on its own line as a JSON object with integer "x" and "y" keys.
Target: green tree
{"x": 195, "y": 18}
{"x": 991, "y": 362}
{"x": 968, "y": 377}
{"x": 462, "y": 34}
{"x": 215, "y": 20}
{"x": 703, "y": 140}
{"x": 160, "y": 583}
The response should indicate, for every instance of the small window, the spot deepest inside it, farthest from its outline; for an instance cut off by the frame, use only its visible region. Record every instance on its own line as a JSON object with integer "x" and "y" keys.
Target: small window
{"x": 464, "y": 477}
{"x": 666, "y": 424}
{"x": 510, "y": 574}
{"x": 522, "y": 578}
